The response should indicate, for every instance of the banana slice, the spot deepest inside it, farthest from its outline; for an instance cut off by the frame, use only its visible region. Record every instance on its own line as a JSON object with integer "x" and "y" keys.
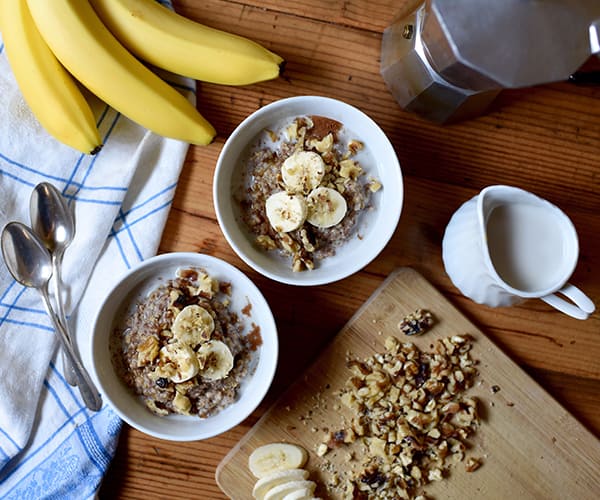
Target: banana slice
{"x": 193, "y": 325}
{"x": 280, "y": 491}
{"x": 286, "y": 212}
{"x": 303, "y": 171}
{"x": 300, "y": 494}
{"x": 179, "y": 360}
{"x": 270, "y": 481}
{"x": 216, "y": 360}
{"x": 276, "y": 456}
{"x": 326, "y": 207}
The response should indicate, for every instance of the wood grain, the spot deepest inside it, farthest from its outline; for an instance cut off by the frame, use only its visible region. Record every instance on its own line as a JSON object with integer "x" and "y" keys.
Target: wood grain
{"x": 529, "y": 445}
{"x": 545, "y": 139}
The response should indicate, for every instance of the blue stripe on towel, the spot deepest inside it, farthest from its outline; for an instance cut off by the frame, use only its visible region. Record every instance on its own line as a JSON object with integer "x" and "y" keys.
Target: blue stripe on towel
{"x": 12, "y": 306}
{"x": 121, "y": 251}
{"x": 131, "y": 237}
{"x": 9, "y": 438}
{"x": 145, "y": 216}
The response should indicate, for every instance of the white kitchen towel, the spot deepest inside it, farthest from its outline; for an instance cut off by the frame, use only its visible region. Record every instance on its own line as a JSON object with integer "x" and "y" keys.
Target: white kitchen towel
{"x": 51, "y": 445}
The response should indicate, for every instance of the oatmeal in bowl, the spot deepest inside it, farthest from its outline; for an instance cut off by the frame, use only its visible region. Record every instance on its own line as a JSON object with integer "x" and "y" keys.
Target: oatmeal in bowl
{"x": 303, "y": 191}
{"x": 184, "y": 347}
{"x": 308, "y": 190}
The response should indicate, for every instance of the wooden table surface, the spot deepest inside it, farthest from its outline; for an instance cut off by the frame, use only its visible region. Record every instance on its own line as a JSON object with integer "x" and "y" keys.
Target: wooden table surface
{"x": 544, "y": 139}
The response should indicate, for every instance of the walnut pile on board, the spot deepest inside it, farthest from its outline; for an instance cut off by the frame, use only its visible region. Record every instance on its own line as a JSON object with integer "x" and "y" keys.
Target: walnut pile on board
{"x": 410, "y": 412}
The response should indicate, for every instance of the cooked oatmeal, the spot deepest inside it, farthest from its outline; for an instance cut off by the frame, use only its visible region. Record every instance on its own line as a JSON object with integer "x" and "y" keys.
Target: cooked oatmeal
{"x": 182, "y": 349}
{"x": 304, "y": 190}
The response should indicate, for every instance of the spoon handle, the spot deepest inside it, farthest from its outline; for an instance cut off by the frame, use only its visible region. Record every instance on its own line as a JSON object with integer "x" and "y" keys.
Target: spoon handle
{"x": 68, "y": 371}
{"x": 89, "y": 393}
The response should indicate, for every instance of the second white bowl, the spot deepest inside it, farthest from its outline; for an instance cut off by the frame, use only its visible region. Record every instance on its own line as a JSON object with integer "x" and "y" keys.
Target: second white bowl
{"x": 136, "y": 285}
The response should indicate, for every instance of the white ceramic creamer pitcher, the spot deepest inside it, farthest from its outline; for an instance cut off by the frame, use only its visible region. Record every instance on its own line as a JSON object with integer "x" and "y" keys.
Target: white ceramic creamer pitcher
{"x": 506, "y": 245}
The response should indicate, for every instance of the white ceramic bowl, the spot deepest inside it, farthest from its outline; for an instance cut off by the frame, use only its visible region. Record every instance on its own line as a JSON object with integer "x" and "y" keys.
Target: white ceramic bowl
{"x": 136, "y": 285}
{"x": 375, "y": 227}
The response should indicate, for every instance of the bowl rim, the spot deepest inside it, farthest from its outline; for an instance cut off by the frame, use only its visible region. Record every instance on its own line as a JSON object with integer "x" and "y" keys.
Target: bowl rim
{"x": 267, "y": 324}
{"x": 352, "y": 267}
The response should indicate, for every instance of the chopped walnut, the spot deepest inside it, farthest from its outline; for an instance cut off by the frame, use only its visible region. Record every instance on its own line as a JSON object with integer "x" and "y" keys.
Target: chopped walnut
{"x": 324, "y": 145}
{"x": 174, "y": 297}
{"x": 290, "y": 245}
{"x": 472, "y": 464}
{"x": 410, "y": 411}
{"x": 266, "y": 242}
{"x": 181, "y": 403}
{"x": 206, "y": 286}
{"x": 349, "y": 169}
{"x": 322, "y": 449}
{"x": 416, "y": 323}
{"x": 374, "y": 185}
{"x": 306, "y": 242}
{"x": 355, "y": 146}
{"x": 147, "y": 351}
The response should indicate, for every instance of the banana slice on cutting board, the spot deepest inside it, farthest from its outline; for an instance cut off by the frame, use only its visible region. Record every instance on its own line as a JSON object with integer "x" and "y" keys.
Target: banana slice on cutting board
{"x": 274, "y": 457}
{"x": 179, "y": 361}
{"x": 264, "y": 485}
{"x": 326, "y": 207}
{"x": 281, "y": 491}
{"x": 286, "y": 212}
{"x": 193, "y": 325}
{"x": 278, "y": 467}
{"x": 303, "y": 171}
{"x": 215, "y": 359}
{"x": 301, "y": 494}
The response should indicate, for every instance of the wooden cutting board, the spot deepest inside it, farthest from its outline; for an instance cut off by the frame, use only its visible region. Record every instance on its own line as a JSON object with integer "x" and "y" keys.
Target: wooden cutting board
{"x": 529, "y": 445}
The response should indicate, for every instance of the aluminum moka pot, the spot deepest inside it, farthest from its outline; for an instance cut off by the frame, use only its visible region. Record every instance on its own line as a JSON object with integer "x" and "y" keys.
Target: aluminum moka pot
{"x": 448, "y": 59}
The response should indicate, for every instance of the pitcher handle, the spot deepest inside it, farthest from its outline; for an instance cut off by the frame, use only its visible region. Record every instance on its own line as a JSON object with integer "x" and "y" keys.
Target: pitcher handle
{"x": 581, "y": 307}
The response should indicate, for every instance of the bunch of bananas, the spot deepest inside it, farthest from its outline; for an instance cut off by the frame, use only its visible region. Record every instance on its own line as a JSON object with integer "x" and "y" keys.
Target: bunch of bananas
{"x": 53, "y": 45}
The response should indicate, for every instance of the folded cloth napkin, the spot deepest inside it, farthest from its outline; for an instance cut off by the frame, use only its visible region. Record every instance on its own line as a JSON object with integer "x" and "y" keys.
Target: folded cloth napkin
{"x": 51, "y": 445}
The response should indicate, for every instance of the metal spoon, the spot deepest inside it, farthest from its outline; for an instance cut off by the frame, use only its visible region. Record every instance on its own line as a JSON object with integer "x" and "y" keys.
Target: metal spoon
{"x": 52, "y": 220}
{"x": 30, "y": 263}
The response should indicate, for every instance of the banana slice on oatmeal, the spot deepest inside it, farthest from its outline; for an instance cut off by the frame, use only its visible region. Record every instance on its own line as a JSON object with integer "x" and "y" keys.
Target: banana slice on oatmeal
{"x": 286, "y": 212}
{"x": 303, "y": 171}
{"x": 193, "y": 325}
{"x": 215, "y": 359}
{"x": 326, "y": 207}
{"x": 177, "y": 362}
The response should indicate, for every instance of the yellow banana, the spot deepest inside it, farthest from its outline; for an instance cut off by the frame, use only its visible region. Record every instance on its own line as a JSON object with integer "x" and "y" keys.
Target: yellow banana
{"x": 50, "y": 92}
{"x": 93, "y": 56}
{"x": 172, "y": 42}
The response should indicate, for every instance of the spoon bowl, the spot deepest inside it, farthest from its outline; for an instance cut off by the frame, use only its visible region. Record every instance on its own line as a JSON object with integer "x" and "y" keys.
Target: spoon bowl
{"x": 51, "y": 218}
{"x": 26, "y": 257}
